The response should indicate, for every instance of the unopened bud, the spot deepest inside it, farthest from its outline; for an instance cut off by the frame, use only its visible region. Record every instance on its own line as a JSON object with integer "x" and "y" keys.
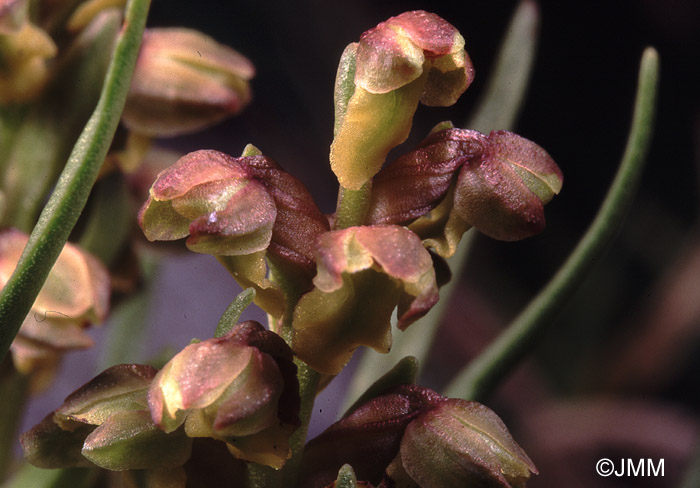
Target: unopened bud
{"x": 185, "y": 81}
{"x": 469, "y": 446}
{"x": 239, "y": 388}
{"x": 24, "y": 52}
{"x": 106, "y": 422}
{"x": 503, "y": 192}
{"x": 411, "y": 436}
{"x": 75, "y": 294}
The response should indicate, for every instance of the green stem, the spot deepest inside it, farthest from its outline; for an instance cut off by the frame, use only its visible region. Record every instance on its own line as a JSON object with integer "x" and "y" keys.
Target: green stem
{"x": 481, "y": 377}
{"x": 352, "y": 206}
{"x": 73, "y": 188}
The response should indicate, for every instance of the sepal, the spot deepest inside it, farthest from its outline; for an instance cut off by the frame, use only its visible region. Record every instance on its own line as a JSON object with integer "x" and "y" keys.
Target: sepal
{"x": 183, "y": 82}
{"x": 411, "y": 58}
{"x": 363, "y": 274}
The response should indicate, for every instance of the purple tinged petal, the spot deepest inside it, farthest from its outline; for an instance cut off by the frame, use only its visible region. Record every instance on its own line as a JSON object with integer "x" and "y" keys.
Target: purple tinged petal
{"x": 194, "y": 169}
{"x": 417, "y": 182}
{"x": 195, "y": 378}
{"x": 392, "y": 54}
{"x": 130, "y": 440}
{"x": 503, "y": 193}
{"x": 231, "y": 388}
{"x": 235, "y": 206}
{"x": 416, "y": 56}
{"x": 363, "y": 274}
{"x": 119, "y": 388}
{"x": 460, "y": 442}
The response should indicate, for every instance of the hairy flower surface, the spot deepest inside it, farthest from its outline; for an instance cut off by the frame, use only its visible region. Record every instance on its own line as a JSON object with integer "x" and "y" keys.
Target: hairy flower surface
{"x": 363, "y": 274}
{"x": 411, "y": 58}
{"x": 240, "y": 388}
{"x": 75, "y": 295}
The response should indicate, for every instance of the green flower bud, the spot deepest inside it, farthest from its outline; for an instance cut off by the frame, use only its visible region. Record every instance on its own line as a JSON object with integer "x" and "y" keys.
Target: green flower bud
{"x": 469, "y": 446}
{"x": 75, "y": 294}
{"x": 183, "y": 82}
{"x": 411, "y": 58}
{"x": 240, "y": 388}
{"x": 107, "y": 423}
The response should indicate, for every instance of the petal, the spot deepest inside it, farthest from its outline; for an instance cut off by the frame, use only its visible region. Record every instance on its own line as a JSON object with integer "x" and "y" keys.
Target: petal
{"x": 119, "y": 388}
{"x": 468, "y": 444}
{"x": 130, "y": 440}
{"x": 48, "y": 446}
{"x": 194, "y": 169}
{"x": 363, "y": 273}
{"x": 417, "y": 182}
{"x": 244, "y": 226}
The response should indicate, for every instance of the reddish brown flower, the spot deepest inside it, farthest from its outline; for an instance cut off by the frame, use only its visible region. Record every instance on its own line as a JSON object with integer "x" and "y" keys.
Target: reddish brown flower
{"x": 411, "y": 436}
{"x": 363, "y": 274}
{"x": 185, "y": 81}
{"x": 415, "y": 56}
{"x": 75, "y": 295}
{"x": 240, "y": 388}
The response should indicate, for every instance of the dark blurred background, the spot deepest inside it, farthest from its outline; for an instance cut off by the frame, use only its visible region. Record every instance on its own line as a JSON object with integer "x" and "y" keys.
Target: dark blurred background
{"x": 616, "y": 374}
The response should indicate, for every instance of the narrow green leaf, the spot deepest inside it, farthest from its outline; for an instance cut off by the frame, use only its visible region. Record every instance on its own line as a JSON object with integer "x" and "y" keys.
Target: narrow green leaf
{"x": 73, "y": 188}
{"x": 230, "y": 317}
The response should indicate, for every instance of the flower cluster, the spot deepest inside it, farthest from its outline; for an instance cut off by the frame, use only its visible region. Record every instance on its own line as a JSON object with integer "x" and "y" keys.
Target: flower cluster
{"x": 239, "y": 389}
{"x": 329, "y": 283}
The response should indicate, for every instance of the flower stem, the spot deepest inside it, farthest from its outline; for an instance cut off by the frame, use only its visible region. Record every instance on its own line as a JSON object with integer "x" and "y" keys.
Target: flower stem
{"x": 482, "y": 376}
{"x": 73, "y": 188}
{"x": 352, "y": 206}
